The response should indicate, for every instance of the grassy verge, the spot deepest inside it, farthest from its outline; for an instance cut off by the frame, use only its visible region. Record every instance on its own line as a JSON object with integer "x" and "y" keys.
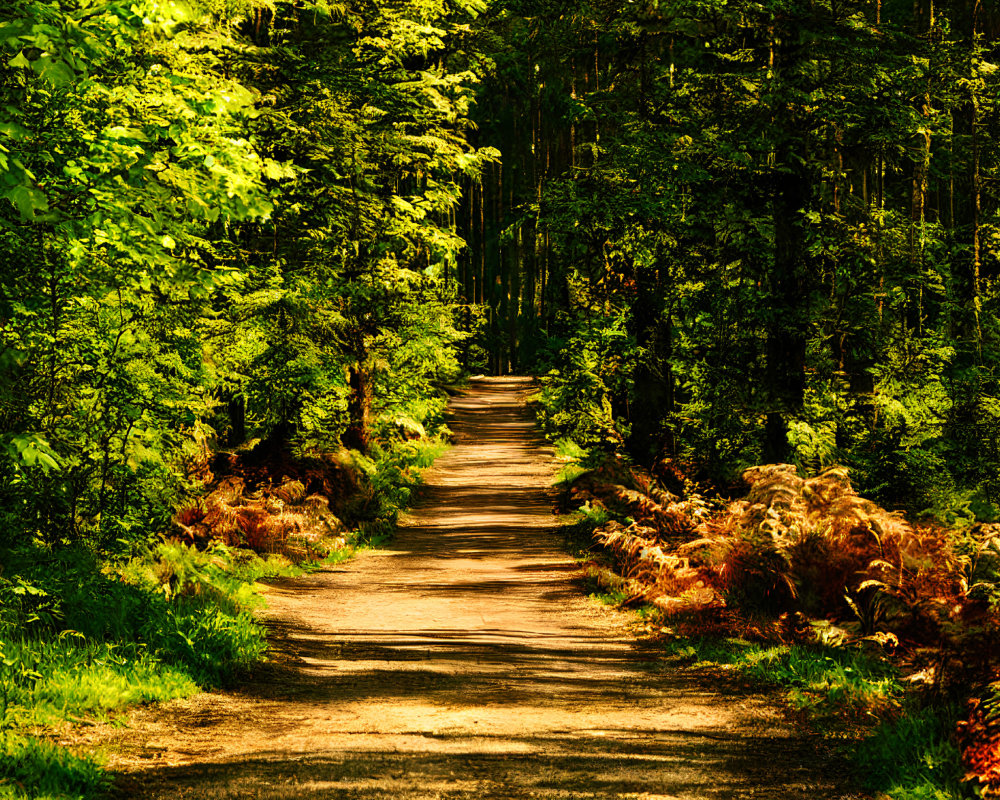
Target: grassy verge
{"x": 901, "y": 746}
{"x": 37, "y": 769}
{"x": 914, "y": 756}
{"x": 82, "y": 638}
{"x": 392, "y": 478}
{"x": 80, "y": 641}
{"x": 831, "y": 683}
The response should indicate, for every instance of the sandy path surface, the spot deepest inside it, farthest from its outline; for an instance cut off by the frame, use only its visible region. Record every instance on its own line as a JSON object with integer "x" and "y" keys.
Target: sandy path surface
{"x": 462, "y": 662}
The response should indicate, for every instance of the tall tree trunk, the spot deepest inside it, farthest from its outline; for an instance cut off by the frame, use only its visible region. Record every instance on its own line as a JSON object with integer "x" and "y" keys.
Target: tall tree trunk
{"x": 357, "y": 436}
{"x": 786, "y": 340}
{"x": 975, "y": 299}
{"x": 923, "y": 11}
{"x": 652, "y": 400}
{"x": 785, "y": 347}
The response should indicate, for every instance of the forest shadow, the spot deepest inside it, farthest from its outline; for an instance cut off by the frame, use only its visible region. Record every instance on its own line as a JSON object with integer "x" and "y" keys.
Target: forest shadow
{"x": 677, "y": 764}
{"x": 487, "y": 667}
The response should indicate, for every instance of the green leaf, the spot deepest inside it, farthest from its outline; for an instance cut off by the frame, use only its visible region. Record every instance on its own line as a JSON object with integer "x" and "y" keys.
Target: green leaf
{"x": 19, "y": 61}
{"x": 14, "y": 131}
{"x": 276, "y": 170}
{"x": 28, "y": 201}
{"x": 55, "y": 71}
{"x": 121, "y": 132}
{"x": 32, "y": 450}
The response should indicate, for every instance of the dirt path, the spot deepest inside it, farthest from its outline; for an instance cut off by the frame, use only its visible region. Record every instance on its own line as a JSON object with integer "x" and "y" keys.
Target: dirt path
{"x": 463, "y": 663}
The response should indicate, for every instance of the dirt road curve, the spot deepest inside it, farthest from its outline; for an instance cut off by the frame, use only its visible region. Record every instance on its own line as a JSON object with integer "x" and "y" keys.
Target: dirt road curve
{"x": 463, "y": 663}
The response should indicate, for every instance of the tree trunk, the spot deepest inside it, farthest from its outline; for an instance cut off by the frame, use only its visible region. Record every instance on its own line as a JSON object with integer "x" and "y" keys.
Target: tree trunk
{"x": 653, "y": 396}
{"x": 785, "y": 348}
{"x": 237, "y": 408}
{"x": 786, "y": 340}
{"x": 359, "y": 409}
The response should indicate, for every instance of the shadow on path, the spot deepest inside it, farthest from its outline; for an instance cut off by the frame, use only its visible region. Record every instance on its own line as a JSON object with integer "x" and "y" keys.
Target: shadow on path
{"x": 462, "y": 663}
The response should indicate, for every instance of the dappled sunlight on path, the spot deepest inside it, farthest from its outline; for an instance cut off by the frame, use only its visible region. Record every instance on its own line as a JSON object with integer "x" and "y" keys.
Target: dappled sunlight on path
{"x": 461, "y": 662}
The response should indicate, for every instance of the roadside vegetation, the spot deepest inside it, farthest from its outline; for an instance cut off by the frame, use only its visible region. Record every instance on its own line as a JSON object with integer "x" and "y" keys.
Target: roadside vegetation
{"x": 881, "y": 632}
{"x": 85, "y": 635}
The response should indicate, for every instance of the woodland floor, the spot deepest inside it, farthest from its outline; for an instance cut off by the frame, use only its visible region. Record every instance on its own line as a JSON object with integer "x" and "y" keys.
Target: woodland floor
{"x": 463, "y": 662}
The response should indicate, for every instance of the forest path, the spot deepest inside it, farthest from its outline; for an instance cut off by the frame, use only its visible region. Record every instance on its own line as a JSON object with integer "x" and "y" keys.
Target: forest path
{"x": 463, "y": 663}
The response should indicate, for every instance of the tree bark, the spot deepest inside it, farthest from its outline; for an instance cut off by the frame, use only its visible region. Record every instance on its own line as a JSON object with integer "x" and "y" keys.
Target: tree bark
{"x": 359, "y": 409}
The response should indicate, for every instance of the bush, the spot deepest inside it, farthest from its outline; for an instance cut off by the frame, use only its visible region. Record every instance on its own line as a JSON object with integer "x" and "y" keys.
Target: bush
{"x": 579, "y": 396}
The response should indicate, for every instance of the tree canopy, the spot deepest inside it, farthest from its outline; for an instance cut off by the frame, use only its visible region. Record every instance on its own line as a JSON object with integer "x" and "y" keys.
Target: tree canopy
{"x": 223, "y": 220}
{"x": 745, "y": 233}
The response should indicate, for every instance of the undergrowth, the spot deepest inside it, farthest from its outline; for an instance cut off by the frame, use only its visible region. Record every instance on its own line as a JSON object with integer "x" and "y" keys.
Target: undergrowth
{"x": 81, "y": 641}
{"x": 901, "y": 746}
{"x": 821, "y": 680}
{"x": 84, "y": 637}
{"x": 806, "y": 587}
{"x": 37, "y": 769}
{"x": 392, "y": 476}
{"x": 727, "y": 614}
{"x": 914, "y": 756}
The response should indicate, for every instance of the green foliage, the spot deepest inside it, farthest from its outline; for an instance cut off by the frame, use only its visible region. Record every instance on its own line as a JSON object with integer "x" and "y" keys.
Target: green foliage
{"x": 909, "y": 756}
{"x": 913, "y": 757}
{"x": 200, "y": 614}
{"x": 197, "y": 249}
{"x": 68, "y": 677}
{"x": 390, "y": 477}
{"x": 801, "y": 257}
{"x": 576, "y": 401}
{"x": 37, "y": 769}
{"x": 821, "y": 679}
{"x": 980, "y": 565}
{"x": 82, "y": 641}
{"x": 123, "y": 149}
{"x": 573, "y": 457}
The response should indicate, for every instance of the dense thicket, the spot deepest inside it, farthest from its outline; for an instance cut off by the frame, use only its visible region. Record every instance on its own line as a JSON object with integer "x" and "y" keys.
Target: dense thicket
{"x": 743, "y": 233}
{"x": 221, "y": 221}
{"x": 734, "y": 233}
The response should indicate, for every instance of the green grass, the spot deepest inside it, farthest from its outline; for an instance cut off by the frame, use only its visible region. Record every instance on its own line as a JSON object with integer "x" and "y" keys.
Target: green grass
{"x": 34, "y": 769}
{"x": 81, "y": 640}
{"x": 47, "y": 681}
{"x": 816, "y": 678}
{"x": 573, "y": 457}
{"x": 913, "y": 757}
{"x": 578, "y": 530}
{"x": 909, "y": 753}
{"x": 605, "y": 585}
{"x": 66, "y": 678}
